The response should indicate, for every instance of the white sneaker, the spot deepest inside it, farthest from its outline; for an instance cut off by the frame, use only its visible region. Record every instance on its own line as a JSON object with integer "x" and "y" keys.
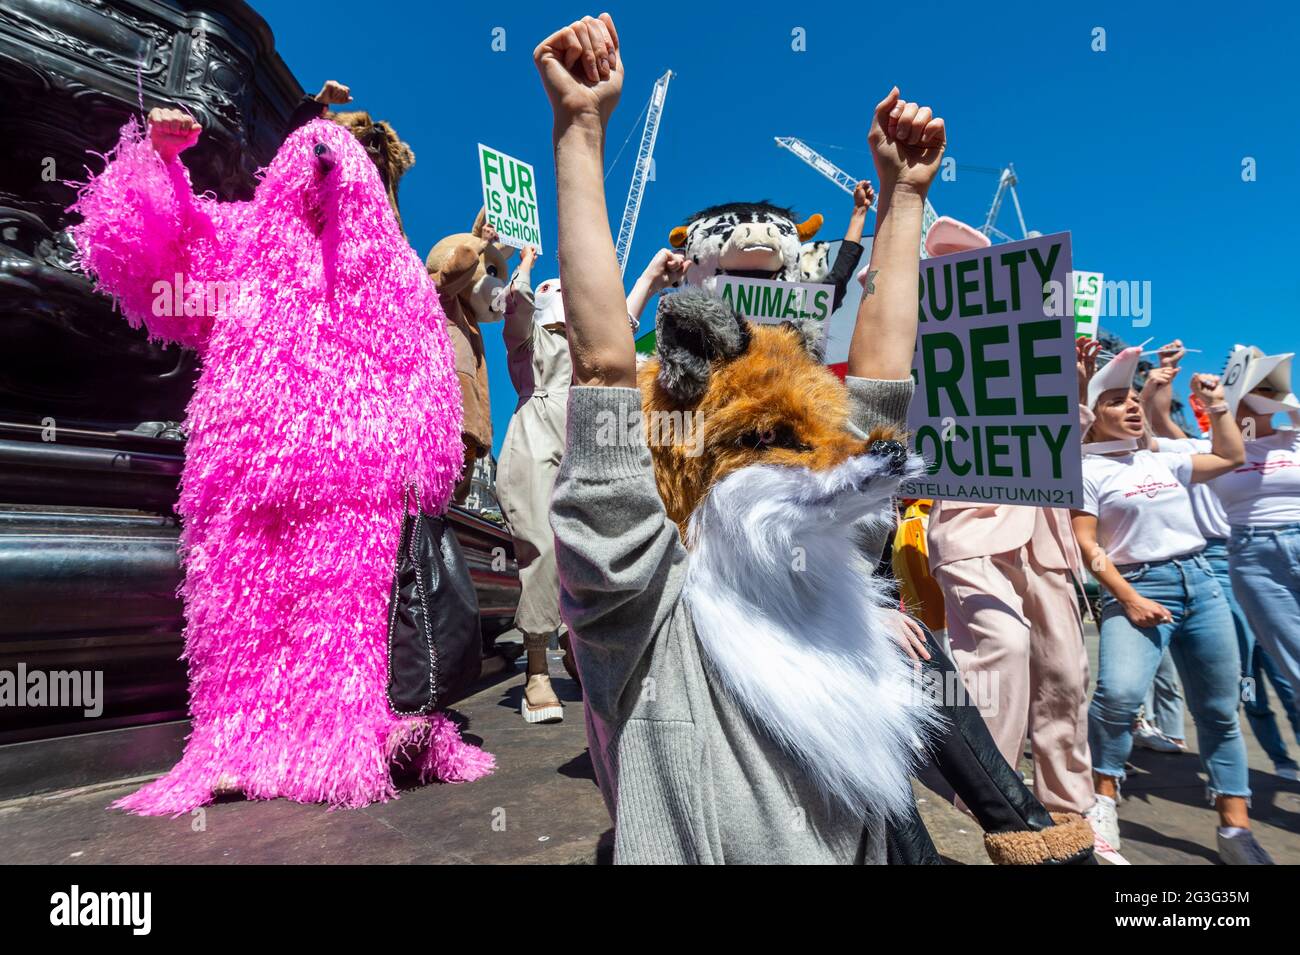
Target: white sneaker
{"x": 1105, "y": 823}
{"x": 1288, "y": 772}
{"x": 1240, "y": 847}
{"x": 1148, "y": 737}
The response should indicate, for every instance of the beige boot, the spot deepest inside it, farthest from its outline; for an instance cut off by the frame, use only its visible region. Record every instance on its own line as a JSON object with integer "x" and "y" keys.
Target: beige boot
{"x": 540, "y": 704}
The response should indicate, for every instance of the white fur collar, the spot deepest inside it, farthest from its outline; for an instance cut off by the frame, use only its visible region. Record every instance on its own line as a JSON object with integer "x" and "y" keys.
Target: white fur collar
{"x": 794, "y": 626}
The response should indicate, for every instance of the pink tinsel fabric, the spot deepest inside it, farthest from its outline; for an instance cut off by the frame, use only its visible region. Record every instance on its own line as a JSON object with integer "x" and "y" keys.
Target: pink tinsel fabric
{"x": 328, "y": 384}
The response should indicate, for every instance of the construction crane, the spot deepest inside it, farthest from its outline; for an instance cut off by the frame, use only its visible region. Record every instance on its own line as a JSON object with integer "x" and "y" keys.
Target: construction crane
{"x": 842, "y": 179}
{"x": 819, "y": 162}
{"x": 1006, "y": 183}
{"x": 640, "y": 172}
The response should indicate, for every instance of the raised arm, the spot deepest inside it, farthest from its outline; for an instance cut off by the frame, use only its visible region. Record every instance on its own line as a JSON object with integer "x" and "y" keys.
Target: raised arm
{"x": 517, "y": 330}
{"x": 850, "y": 250}
{"x": 907, "y": 142}
{"x": 621, "y": 562}
{"x": 146, "y": 239}
{"x": 665, "y": 269}
{"x": 1227, "y": 450}
{"x": 1158, "y": 393}
{"x": 582, "y": 72}
{"x": 864, "y": 196}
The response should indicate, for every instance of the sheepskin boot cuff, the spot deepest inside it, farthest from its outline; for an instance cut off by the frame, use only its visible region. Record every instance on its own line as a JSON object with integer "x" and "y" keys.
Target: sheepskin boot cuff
{"x": 1067, "y": 842}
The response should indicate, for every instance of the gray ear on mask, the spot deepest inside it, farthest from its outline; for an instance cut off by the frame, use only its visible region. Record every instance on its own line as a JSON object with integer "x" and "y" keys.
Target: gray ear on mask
{"x": 692, "y": 329}
{"x": 812, "y": 335}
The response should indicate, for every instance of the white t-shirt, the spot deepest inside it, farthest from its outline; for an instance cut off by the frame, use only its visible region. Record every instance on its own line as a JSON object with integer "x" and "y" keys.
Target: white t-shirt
{"x": 1264, "y": 491}
{"x": 1143, "y": 510}
{"x": 1206, "y": 506}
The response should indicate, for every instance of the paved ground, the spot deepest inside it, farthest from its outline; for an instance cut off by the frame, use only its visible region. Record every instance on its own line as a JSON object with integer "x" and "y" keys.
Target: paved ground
{"x": 542, "y": 805}
{"x": 1164, "y": 818}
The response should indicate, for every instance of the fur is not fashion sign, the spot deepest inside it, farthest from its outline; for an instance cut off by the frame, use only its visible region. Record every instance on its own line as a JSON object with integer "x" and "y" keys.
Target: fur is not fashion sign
{"x": 510, "y": 198}
{"x": 996, "y": 408}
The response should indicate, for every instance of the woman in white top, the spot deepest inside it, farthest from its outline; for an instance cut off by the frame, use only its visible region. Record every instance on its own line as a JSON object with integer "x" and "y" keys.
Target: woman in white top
{"x": 1256, "y": 664}
{"x": 1261, "y": 499}
{"x": 537, "y": 355}
{"x": 1138, "y": 534}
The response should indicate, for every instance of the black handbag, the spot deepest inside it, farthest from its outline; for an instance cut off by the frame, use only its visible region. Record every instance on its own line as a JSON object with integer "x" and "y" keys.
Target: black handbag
{"x": 435, "y": 642}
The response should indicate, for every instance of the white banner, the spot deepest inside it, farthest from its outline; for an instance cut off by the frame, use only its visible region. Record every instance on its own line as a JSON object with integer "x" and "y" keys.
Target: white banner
{"x": 996, "y": 408}
{"x": 510, "y": 198}
{"x": 771, "y": 303}
{"x": 1088, "y": 288}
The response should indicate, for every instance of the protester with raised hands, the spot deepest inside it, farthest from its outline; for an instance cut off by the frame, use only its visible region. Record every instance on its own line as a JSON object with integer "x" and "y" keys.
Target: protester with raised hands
{"x": 1262, "y": 502}
{"x": 666, "y": 269}
{"x": 701, "y": 763}
{"x": 1256, "y": 664}
{"x": 725, "y": 694}
{"x": 1139, "y": 535}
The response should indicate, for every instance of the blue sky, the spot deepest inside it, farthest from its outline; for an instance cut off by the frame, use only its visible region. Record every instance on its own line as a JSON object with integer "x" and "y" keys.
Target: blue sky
{"x": 1137, "y": 151}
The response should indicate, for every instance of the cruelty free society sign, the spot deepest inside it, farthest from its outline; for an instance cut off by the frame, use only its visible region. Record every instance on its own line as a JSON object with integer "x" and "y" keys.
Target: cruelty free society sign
{"x": 995, "y": 414}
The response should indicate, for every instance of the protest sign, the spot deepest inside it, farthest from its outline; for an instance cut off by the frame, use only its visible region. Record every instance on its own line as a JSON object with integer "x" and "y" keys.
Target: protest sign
{"x": 996, "y": 408}
{"x": 762, "y": 301}
{"x": 770, "y": 303}
{"x": 510, "y": 198}
{"x": 1088, "y": 287}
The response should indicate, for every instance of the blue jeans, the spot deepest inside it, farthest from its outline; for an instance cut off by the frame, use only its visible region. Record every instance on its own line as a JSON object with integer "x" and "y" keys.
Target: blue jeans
{"x": 1255, "y": 666}
{"x": 1265, "y": 566}
{"x": 1203, "y": 643}
{"x": 1164, "y": 702}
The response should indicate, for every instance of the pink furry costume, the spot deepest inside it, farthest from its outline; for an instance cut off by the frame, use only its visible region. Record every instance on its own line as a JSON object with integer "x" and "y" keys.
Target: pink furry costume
{"x": 327, "y": 385}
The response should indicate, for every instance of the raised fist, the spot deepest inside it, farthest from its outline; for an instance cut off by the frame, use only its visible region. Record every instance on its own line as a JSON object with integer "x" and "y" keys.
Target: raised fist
{"x": 1209, "y": 388}
{"x": 907, "y": 141}
{"x": 334, "y": 93}
{"x": 1171, "y": 354}
{"x": 172, "y": 131}
{"x": 582, "y": 70}
{"x": 863, "y": 195}
{"x": 665, "y": 269}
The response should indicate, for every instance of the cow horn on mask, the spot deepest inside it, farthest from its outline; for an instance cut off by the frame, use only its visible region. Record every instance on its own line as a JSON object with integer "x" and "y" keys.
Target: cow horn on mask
{"x": 808, "y": 228}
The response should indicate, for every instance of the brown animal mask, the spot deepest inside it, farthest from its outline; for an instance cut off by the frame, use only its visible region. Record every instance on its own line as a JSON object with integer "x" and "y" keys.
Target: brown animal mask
{"x": 390, "y": 155}
{"x": 477, "y": 279}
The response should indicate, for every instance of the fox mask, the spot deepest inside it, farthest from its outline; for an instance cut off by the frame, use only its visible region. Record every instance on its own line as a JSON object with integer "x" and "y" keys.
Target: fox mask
{"x": 724, "y": 394}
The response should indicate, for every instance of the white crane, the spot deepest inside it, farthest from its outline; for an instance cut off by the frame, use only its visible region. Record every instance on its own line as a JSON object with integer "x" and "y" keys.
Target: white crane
{"x": 644, "y": 157}
{"x": 1006, "y": 182}
{"x": 842, "y": 179}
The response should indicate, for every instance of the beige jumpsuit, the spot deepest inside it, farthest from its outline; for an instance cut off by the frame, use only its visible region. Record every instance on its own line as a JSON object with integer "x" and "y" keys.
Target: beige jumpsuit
{"x": 539, "y": 366}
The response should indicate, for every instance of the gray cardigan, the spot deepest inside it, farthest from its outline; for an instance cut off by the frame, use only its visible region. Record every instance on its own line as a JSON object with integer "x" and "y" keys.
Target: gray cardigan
{"x": 686, "y": 776}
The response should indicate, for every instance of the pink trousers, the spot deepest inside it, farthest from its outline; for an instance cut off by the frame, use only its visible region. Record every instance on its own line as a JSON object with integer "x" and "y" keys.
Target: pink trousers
{"x": 1016, "y": 638}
